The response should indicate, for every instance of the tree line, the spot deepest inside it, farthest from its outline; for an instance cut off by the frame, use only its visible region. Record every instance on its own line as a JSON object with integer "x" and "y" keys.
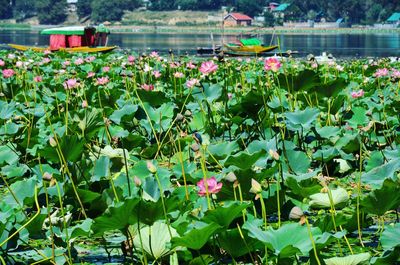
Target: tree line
{"x": 54, "y": 11}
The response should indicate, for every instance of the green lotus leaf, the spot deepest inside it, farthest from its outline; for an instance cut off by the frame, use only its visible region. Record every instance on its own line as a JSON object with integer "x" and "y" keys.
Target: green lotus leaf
{"x": 288, "y": 240}
{"x": 321, "y": 200}
{"x": 302, "y": 119}
{"x": 155, "y": 239}
{"x": 196, "y": 238}
{"x": 381, "y": 200}
{"x": 223, "y": 216}
{"x": 357, "y": 259}
{"x": 390, "y": 237}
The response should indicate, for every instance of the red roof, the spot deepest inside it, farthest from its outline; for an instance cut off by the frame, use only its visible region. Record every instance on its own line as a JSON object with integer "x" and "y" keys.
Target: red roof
{"x": 239, "y": 16}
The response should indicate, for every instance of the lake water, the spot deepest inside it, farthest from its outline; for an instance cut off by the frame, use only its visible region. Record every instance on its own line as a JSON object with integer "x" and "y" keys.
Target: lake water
{"x": 340, "y": 45}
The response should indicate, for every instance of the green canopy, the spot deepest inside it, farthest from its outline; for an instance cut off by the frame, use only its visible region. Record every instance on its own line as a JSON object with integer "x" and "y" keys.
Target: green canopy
{"x": 250, "y": 42}
{"x": 77, "y": 30}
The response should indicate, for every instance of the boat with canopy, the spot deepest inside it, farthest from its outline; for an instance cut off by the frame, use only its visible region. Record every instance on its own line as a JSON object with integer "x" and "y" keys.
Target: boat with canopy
{"x": 73, "y": 39}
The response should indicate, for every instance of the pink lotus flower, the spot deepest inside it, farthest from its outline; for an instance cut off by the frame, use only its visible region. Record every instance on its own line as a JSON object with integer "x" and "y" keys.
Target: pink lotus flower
{"x": 90, "y": 59}
{"x": 190, "y": 65}
{"x": 71, "y": 83}
{"x": 192, "y": 82}
{"x": 154, "y": 54}
{"x": 272, "y": 64}
{"x": 46, "y": 60}
{"x": 147, "y": 87}
{"x": 174, "y": 65}
{"x": 90, "y": 75}
{"x": 7, "y": 73}
{"x": 85, "y": 104}
{"x": 11, "y": 56}
{"x": 46, "y": 52}
{"x": 381, "y": 72}
{"x": 357, "y": 94}
{"x": 66, "y": 63}
{"x": 38, "y": 79}
{"x": 79, "y": 61}
{"x": 178, "y": 75}
{"x": 2, "y": 63}
{"x": 396, "y": 73}
{"x": 208, "y": 67}
{"x": 156, "y": 74}
{"x": 19, "y": 64}
{"x": 106, "y": 69}
{"x": 213, "y": 187}
{"x": 102, "y": 81}
{"x": 131, "y": 59}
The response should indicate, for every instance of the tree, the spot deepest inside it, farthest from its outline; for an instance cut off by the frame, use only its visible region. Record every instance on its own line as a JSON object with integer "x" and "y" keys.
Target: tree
{"x": 51, "y": 11}
{"x": 162, "y": 5}
{"x": 5, "y": 9}
{"x": 103, "y": 10}
{"x": 269, "y": 19}
{"x": 24, "y": 9}
{"x": 250, "y": 7}
{"x": 83, "y": 8}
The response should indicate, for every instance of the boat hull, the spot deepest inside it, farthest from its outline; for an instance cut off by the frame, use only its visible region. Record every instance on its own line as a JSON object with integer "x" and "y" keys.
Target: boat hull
{"x": 254, "y": 49}
{"x": 76, "y": 49}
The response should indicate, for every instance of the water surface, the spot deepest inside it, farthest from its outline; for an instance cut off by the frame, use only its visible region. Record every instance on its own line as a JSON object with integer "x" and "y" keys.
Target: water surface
{"x": 340, "y": 45}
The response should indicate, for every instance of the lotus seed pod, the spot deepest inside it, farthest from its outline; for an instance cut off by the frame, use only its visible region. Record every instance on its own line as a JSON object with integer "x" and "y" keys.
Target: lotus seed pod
{"x": 188, "y": 113}
{"x": 296, "y": 213}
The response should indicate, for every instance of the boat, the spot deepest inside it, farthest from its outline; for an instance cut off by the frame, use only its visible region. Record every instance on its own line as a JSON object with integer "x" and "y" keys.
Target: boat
{"x": 248, "y": 47}
{"x": 73, "y": 39}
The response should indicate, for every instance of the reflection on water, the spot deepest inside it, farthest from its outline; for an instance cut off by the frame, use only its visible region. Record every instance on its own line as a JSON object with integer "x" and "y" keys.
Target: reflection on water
{"x": 340, "y": 45}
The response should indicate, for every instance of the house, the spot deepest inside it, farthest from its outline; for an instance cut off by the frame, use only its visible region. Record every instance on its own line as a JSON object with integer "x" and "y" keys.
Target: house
{"x": 272, "y": 6}
{"x": 237, "y": 19}
{"x": 71, "y": 5}
{"x": 394, "y": 19}
{"x": 279, "y": 11}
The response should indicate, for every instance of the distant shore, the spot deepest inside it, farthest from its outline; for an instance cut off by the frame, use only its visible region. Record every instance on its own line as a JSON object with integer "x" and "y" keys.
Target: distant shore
{"x": 214, "y": 29}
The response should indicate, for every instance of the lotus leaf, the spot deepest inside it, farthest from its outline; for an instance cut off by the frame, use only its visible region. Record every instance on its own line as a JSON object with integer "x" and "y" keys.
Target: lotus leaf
{"x": 358, "y": 259}
{"x": 322, "y": 200}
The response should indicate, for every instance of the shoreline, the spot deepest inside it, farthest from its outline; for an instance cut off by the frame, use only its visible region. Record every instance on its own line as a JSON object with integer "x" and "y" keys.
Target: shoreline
{"x": 216, "y": 30}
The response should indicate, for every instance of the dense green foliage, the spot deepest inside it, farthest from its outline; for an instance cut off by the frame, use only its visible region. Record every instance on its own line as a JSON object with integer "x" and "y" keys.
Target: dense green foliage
{"x": 353, "y": 11}
{"x": 164, "y": 160}
{"x": 51, "y": 11}
{"x": 5, "y": 9}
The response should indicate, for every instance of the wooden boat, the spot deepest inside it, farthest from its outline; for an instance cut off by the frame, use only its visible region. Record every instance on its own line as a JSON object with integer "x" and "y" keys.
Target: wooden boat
{"x": 73, "y": 39}
{"x": 248, "y": 46}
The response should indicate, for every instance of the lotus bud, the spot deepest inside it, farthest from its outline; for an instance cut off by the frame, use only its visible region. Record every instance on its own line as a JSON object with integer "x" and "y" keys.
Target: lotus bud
{"x": 296, "y": 213}
{"x": 324, "y": 190}
{"x": 195, "y": 147}
{"x": 255, "y": 187}
{"x": 179, "y": 117}
{"x": 47, "y": 176}
{"x": 84, "y": 104}
{"x": 52, "y": 142}
{"x": 188, "y": 113}
{"x": 231, "y": 177}
{"x": 137, "y": 181}
{"x": 151, "y": 167}
{"x": 273, "y": 154}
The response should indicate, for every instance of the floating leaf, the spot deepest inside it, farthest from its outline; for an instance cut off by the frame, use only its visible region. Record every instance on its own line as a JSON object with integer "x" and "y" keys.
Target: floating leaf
{"x": 155, "y": 239}
{"x": 358, "y": 259}
{"x": 321, "y": 200}
{"x": 390, "y": 237}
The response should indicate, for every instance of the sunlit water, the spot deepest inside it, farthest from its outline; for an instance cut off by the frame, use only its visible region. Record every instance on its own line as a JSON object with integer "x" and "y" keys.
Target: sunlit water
{"x": 339, "y": 45}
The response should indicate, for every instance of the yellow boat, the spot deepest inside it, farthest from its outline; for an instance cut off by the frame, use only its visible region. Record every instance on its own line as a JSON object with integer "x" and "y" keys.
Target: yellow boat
{"x": 73, "y": 39}
{"x": 76, "y": 49}
{"x": 249, "y": 46}
{"x": 250, "y": 49}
